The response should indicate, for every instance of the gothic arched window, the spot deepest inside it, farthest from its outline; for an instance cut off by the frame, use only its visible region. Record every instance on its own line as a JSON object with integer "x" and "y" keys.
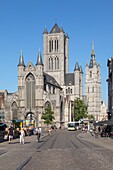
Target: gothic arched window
{"x": 90, "y": 74}
{"x": 52, "y": 45}
{"x": 47, "y": 104}
{"x": 57, "y": 63}
{"x": 14, "y": 110}
{"x": 30, "y": 91}
{"x": 51, "y": 63}
{"x": 49, "y": 45}
{"x": 57, "y": 45}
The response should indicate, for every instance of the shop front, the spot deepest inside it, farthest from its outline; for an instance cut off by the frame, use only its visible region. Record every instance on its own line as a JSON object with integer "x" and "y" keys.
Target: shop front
{"x": 17, "y": 123}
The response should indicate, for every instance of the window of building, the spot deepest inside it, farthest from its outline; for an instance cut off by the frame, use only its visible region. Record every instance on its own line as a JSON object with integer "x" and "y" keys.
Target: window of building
{"x": 57, "y": 45}
{"x": 49, "y": 64}
{"x": 56, "y": 63}
{"x": 30, "y": 91}
{"x": 14, "y": 110}
{"x": 53, "y": 90}
{"x": 88, "y": 90}
{"x": 52, "y": 46}
{"x": 90, "y": 74}
{"x": 49, "y": 45}
{"x": 71, "y": 91}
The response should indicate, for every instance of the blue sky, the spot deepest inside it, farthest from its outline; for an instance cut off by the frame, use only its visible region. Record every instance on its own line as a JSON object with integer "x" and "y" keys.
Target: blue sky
{"x": 21, "y": 28}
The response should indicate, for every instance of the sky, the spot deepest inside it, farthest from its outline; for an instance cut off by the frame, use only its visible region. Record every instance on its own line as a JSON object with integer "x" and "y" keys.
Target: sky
{"x": 22, "y": 23}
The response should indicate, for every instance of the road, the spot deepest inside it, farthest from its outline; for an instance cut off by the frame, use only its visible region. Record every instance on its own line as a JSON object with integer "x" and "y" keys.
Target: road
{"x": 63, "y": 150}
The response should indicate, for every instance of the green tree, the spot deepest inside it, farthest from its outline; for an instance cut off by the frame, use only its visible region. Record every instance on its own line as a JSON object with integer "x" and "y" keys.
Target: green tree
{"x": 48, "y": 115}
{"x": 91, "y": 117}
{"x": 80, "y": 110}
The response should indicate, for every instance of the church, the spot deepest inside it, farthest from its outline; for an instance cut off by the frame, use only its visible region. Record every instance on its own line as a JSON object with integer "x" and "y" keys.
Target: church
{"x": 49, "y": 82}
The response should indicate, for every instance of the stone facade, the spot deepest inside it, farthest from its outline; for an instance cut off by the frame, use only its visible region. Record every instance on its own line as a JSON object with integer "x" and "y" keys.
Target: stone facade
{"x": 51, "y": 83}
{"x": 110, "y": 88}
{"x": 48, "y": 83}
{"x": 93, "y": 87}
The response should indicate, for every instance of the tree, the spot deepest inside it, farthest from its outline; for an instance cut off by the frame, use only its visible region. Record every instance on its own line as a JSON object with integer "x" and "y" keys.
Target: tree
{"x": 48, "y": 115}
{"x": 80, "y": 110}
{"x": 91, "y": 117}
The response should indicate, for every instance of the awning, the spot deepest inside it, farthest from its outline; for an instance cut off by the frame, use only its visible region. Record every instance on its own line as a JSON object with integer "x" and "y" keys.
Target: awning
{"x": 106, "y": 122}
{"x": 13, "y": 121}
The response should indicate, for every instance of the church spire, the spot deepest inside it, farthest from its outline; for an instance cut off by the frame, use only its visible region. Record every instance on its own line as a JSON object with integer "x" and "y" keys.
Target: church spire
{"x": 76, "y": 66}
{"x": 92, "y": 60}
{"x": 39, "y": 59}
{"x": 21, "y": 60}
{"x": 93, "y": 51}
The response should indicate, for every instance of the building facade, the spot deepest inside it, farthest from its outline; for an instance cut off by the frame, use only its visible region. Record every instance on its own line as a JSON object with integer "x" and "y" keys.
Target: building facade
{"x": 46, "y": 83}
{"x": 93, "y": 87}
{"x": 110, "y": 88}
{"x": 50, "y": 82}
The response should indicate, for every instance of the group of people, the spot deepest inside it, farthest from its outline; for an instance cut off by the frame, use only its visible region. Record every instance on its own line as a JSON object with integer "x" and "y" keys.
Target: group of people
{"x": 21, "y": 134}
{"x": 10, "y": 134}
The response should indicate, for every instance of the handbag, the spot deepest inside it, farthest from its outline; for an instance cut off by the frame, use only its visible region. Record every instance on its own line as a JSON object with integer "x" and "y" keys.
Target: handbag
{"x": 5, "y": 137}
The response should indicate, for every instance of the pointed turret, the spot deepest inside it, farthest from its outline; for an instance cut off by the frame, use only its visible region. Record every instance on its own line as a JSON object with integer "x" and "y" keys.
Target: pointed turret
{"x": 81, "y": 71}
{"x": 67, "y": 35}
{"x": 76, "y": 66}
{"x": 45, "y": 31}
{"x": 39, "y": 59}
{"x": 92, "y": 60}
{"x": 61, "y": 29}
{"x": 21, "y": 60}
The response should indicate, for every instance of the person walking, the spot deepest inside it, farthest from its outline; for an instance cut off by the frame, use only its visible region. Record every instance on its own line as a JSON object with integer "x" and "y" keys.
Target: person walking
{"x": 22, "y": 135}
{"x": 39, "y": 131}
{"x": 10, "y": 134}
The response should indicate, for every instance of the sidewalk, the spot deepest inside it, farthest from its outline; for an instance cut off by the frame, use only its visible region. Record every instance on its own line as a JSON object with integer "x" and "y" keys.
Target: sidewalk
{"x": 102, "y": 141}
{"x": 28, "y": 139}
{"x": 18, "y": 152}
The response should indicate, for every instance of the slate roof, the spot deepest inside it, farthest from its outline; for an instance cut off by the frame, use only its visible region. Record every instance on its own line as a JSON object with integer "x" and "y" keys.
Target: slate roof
{"x": 55, "y": 29}
{"x": 21, "y": 60}
{"x": 76, "y": 66}
{"x": 49, "y": 79}
{"x": 39, "y": 59}
{"x": 69, "y": 79}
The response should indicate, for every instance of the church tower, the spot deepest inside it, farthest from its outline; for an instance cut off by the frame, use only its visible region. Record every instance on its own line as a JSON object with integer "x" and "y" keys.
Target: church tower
{"x": 55, "y": 51}
{"x": 93, "y": 86}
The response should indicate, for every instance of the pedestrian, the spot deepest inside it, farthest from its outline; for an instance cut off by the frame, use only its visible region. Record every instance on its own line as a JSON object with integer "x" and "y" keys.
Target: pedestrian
{"x": 22, "y": 136}
{"x": 10, "y": 134}
{"x": 38, "y": 133}
{"x": 49, "y": 131}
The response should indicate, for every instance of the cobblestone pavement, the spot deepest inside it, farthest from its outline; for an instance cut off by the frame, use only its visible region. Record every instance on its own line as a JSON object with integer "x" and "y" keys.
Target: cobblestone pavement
{"x": 16, "y": 156}
{"x": 13, "y": 155}
{"x": 102, "y": 141}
